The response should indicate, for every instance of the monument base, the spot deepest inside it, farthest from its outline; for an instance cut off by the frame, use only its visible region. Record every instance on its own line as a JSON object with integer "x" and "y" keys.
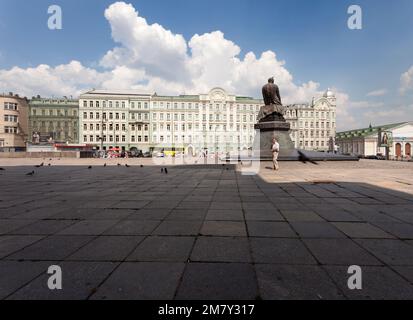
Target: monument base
{"x": 263, "y": 139}
{"x": 261, "y": 150}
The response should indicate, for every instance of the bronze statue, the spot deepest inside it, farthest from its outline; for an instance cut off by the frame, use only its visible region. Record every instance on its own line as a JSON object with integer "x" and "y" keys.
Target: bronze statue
{"x": 273, "y": 109}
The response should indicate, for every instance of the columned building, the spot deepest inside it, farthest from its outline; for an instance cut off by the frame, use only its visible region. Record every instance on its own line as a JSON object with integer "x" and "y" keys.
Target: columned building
{"x": 13, "y": 122}
{"x": 364, "y": 142}
{"x": 216, "y": 121}
{"x": 54, "y": 120}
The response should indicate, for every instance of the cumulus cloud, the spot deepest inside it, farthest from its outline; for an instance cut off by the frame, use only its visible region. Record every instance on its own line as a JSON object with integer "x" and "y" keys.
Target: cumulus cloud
{"x": 406, "y": 81}
{"x": 149, "y": 58}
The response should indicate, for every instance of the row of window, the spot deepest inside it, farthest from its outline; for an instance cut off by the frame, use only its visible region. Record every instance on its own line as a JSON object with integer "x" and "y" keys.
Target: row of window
{"x": 162, "y": 127}
{"x": 8, "y": 129}
{"x": 53, "y": 124}
{"x": 145, "y": 105}
{"x": 51, "y": 113}
{"x": 310, "y": 114}
{"x": 10, "y": 106}
{"x": 11, "y": 118}
{"x": 160, "y": 139}
{"x": 167, "y": 117}
{"x": 317, "y": 124}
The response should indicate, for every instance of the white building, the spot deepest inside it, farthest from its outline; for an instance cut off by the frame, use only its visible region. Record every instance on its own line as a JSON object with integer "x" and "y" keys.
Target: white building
{"x": 216, "y": 121}
{"x": 364, "y": 142}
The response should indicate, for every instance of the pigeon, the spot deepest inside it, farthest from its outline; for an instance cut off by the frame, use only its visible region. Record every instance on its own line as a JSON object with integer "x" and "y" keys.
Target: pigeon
{"x": 118, "y": 164}
{"x": 127, "y": 166}
{"x": 90, "y": 167}
{"x": 104, "y": 165}
{"x": 40, "y": 165}
{"x": 2, "y": 169}
{"x": 49, "y": 164}
{"x": 141, "y": 165}
{"x": 304, "y": 159}
{"x": 166, "y": 170}
{"x": 161, "y": 170}
{"x": 30, "y": 173}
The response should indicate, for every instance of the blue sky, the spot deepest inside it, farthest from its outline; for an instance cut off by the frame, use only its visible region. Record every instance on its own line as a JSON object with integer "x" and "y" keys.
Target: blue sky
{"x": 310, "y": 36}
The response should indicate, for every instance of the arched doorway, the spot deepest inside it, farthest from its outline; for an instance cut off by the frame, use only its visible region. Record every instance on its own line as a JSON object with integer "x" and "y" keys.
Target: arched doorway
{"x": 398, "y": 150}
{"x": 408, "y": 149}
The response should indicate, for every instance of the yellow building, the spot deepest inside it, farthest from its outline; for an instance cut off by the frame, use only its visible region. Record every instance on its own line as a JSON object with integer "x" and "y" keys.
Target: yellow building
{"x": 13, "y": 123}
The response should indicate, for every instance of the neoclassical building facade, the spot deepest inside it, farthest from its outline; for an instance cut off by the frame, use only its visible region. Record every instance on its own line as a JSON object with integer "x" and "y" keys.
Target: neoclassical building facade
{"x": 54, "y": 120}
{"x": 216, "y": 121}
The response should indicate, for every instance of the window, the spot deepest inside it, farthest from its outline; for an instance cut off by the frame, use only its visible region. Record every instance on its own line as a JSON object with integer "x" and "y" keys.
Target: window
{"x": 91, "y": 104}
{"x": 84, "y": 115}
{"x": 91, "y": 138}
{"x": 97, "y": 104}
{"x": 123, "y": 104}
{"x": 84, "y": 138}
{"x": 133, "y": 138}
{"x": 84, "y": 104}
{"x": 12, "y": 130}
{"x": 10, "y": 118}
{"x": 123, "y": 116}
{"x": 123, "y": 138}
{"x": 91, "y": 115}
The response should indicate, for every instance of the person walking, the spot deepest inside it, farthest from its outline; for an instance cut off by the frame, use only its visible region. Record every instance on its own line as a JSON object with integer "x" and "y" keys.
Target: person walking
{"x": 275, "y": 148}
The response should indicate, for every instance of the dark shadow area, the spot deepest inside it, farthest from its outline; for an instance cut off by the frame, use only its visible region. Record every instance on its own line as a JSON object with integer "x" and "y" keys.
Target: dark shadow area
{"x": 199, "y": 232}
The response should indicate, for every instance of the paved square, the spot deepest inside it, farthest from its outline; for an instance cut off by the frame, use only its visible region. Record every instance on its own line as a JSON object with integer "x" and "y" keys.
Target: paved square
{"x": 205, "y": 232}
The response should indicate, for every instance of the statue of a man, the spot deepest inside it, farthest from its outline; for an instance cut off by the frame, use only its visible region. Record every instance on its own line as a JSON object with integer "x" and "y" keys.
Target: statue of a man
{"x": 273, "y": 109}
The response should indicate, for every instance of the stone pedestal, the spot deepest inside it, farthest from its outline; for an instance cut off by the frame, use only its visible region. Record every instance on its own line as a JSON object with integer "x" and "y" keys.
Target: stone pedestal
{"x": 263, "y": 139}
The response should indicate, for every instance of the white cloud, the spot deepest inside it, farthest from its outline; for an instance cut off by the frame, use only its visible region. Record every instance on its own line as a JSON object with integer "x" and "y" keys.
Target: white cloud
{"x": 365, "y": 104}
{"x": 377, "y": 93}
{"x": 406, "y": 81}
{"x": 150, "y": 58}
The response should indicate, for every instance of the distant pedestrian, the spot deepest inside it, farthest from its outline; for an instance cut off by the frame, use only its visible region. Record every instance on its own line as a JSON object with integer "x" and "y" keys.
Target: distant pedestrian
{"x": 275, "y": 148}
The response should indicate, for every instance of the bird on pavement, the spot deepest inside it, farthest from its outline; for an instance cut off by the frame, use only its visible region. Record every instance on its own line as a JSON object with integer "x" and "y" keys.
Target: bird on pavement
{"x": 118, "y": 164}
{"x": 166, "y": 170}
{"x": 104, "y": 165}
{"x": 161, "y": 170}
{"x": 40, "y": 165}
{"x": 2, "y": 169}
{"x": 127, "y": 166}
{"x": 90, "y": 167}
{"x": 30, "y": 173}
{"x": 141, "y": 165}
{"x": 49, "y": 164}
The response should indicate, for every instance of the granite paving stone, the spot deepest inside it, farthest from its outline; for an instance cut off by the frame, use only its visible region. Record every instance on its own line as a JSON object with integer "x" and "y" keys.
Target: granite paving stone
{"x": 221, "y": 249}
{"x": 107, "y": 248}
{"x": 320, "y": 230}
{"x": 216, "y": 281}
{"x": 277, "y": 251}
{"x": 296, "y": 282}
{"x": 361, "y": 230}
{"x": 140, "y": 280}
{"x": 270, "y": 229}
{"x": 224, "y": 228}
{"x": 340, "y": 252}
{"x": 163, "y": 248}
